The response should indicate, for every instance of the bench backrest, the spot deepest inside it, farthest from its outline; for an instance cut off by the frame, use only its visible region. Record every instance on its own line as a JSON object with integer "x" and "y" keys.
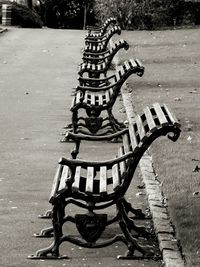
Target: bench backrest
{"x": 101, "y": 45}
{"x": 107, "y": 55}
{"x": 103, "y": 28}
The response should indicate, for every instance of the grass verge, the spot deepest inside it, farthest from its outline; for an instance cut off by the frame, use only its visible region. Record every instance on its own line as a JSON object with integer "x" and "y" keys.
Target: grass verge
{"x": 172, "y": 70}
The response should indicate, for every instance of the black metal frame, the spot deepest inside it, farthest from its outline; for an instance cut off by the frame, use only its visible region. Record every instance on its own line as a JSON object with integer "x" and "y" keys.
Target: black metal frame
{"x": 91, "y": 222}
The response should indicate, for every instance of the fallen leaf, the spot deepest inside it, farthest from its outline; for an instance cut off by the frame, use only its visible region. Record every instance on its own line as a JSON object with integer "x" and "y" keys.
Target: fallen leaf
{"x": 177, "y": 99}
{"x": 139, "y": 194}
{"x": 196, "y": 169}
{"x": 142, "y": 186}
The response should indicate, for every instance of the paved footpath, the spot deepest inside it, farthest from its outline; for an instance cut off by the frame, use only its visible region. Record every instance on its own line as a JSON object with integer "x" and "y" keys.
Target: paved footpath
{"x": 38, "y": 69}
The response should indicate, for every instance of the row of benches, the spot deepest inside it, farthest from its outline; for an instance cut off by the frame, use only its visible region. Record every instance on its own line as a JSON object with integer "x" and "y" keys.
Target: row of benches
{"x": 97, "y": 185}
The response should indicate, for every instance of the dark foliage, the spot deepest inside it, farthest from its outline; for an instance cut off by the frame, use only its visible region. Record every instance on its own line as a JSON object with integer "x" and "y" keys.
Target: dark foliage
{"x": 65, "y": 13}
{"x": 23, "y": 16}
{"x": 149, "y": 14}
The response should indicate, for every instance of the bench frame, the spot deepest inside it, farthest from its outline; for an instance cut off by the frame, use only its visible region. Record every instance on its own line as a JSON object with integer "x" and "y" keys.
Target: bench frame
{"x": 93, "y": 123}
{"x": 65, "y": 189}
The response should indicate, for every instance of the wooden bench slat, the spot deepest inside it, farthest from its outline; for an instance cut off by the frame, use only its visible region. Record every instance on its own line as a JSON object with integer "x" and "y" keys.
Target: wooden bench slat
{"x": 73, "y": 101}
{"x": 116, "y": 177}
{"x": 78, "y": 97}
{"x": 92, "y": 99}
{"x": 103, "y": 180}
{"x": 56, "y": 181}
{"x": 140, "y": 127}
{"x": 77, "y": 176}
{"x": 107, "y": 96}
{"x": 89, "y": 180}
{"x": 117, "y": 76}
{"x": 132, "y": 63}
{"x": 121, "y": 71}
{"x": 63, "y": 178}
{"x": 150, "y": 120}
{"x": 134, "y": 142}
{"x": 85, "y": 97}
{"x": 126, "y": 143}
{"x": 171, "y": 115}
{"x": 100, "y": 100}
{"x": 111, "y": 91}
{"x": 127, "y": 65}
{"x": 122, "y": 163}
{"x": 161, "y": 116}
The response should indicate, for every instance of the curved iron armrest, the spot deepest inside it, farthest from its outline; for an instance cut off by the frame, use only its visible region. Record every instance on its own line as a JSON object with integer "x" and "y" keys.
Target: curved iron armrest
{"x": 172, "y": 132}
{"x": 96, "y": 42}
{"x": 83, "y": 80}
{"x": 94, "y": 89}
{"x": 72, "y": 163}
{"x": 103, "y": 58}
{"x": 80, "y": 137}
{"x": 94, "y": 38}
{"x": 88, "y": 53}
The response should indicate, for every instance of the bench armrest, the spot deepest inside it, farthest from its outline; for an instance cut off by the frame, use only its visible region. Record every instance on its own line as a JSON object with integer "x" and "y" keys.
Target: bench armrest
{"x": 80, "y": 137}
{"x": 72, "y": 163}
{"x": 94, "y": 89}
{"x": 83, "y": 79}
{"x": 88, "y": 53}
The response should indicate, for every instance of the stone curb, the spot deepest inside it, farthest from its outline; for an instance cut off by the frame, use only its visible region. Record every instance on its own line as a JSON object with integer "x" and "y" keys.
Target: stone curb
{"x": 162, "y": 224}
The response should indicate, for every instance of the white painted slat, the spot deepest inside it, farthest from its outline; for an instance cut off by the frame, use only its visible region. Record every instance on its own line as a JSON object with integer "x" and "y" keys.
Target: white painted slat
{"x": 56, "y": 182}
{"x": 89, "y": 180}
{"x": 126, "y": 143}
{"x": 141, "y": 130}
{"x": 122, "y": 71}
{"x": 103, "y": 180}
{"x": 92, "y": 99}
{"x": 63, "y": 178}
{"x": 133, "y": 63}
{"x": 117, "y": 76}
{"x": 116, "y": 177}
{"x": 127, "y": 65}
{"x": 100, "y": 100}
{"x": 76, "y": 183}
{"x": 150, "y": 119}
{"x": 122, "y": 163}
{"x": 133, "y": 138}
{"x": 85, "y": 97}
{"x": 171, "y": 115}
{"x": 161, "y": 116}
{"x": 78, "y": 97}
{"x": 107, "y": 96}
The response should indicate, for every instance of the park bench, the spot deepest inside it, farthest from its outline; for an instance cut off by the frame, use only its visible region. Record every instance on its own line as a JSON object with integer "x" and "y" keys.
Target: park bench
{"x": 96, "y": 185}
{"x": 101, "y": 45}
{"x": 99, "y": 31}
{"x": 106, "y": 56}
{"x": 95, "y": 100}
{"x": 100, "y": 68}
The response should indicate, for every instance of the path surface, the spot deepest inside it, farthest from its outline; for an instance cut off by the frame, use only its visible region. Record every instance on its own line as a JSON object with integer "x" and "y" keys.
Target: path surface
{"x": 38, "y": 69}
